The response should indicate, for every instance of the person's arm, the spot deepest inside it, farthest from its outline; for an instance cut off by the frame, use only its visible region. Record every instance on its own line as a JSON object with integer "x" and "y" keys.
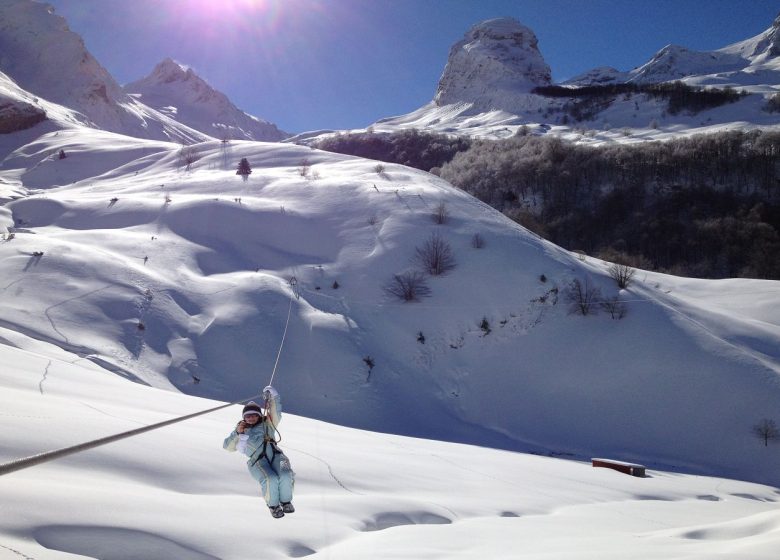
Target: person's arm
{"x": 273, "y": 403}
{"x": 232, "y": 440}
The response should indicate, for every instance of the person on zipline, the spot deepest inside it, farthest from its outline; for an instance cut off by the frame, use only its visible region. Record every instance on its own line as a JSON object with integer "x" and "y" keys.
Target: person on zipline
{"x": 255, "y": 436}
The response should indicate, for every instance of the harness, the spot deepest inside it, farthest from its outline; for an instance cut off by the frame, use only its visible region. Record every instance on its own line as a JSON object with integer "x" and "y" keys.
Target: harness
{"x": 264, "y": 451}
{"x": 268, "y": 441}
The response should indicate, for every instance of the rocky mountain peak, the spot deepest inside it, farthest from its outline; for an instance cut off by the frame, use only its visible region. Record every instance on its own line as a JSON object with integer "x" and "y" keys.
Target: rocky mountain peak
{"x": 44, "y": 57}
{"x": 175, "y": 90}
{"x": 171, "y": 71}
{"x": 40, "y": 52}
{"x": 495, "y": 62}
{"x": 182, "y": 80}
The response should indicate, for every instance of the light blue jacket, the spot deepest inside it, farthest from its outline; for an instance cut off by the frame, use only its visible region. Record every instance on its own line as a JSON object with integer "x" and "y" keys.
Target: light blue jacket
{"x": 260, "y": 437}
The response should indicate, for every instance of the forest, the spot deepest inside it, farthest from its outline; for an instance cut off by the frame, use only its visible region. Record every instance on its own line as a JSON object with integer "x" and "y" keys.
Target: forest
{"x": 706, "y": 206}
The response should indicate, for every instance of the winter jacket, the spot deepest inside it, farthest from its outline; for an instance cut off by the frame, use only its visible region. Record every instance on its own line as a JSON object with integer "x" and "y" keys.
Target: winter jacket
{"x": 260, "y": 437}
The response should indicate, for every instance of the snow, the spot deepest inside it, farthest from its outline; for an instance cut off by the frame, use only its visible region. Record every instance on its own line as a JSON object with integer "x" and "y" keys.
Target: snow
{"x": 495, "y": 63}
{"x": 143, "y": 281}
{"x": 177, "y": 91}
{"x": 470, "y": 103}
{"x": 493, "y": 431}
{"x": 47, "y": 59}
{"x": 173, "y": 493}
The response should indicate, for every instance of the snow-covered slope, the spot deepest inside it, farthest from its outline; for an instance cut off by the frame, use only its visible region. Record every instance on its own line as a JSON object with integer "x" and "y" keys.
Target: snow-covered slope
{"x": 752, "y": 62}
{"x": 180, "y": 279}
{"x": 179, "y": 93}
{"x": 674, "y": 62}
{"x": 45, "y": 58}
{"x": 174, "y": 494}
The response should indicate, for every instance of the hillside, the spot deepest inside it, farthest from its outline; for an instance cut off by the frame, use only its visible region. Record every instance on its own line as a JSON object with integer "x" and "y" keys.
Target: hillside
{"x": 173, "y": 493}
{"x": 180, "y": 279}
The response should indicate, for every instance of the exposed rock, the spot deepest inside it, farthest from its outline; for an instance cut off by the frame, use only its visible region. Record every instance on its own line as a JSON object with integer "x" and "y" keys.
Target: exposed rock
{"x": 496, "y": 62}
{"x": 17, "y": 115}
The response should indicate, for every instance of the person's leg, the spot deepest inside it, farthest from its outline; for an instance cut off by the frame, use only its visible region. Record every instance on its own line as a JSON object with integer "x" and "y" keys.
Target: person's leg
{"x": 286, "y": 479}
{"x": 264, "y": 473}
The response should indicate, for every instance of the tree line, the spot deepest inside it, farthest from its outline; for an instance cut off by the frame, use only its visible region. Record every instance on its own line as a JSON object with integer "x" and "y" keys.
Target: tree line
{"x": 587, "y": 101}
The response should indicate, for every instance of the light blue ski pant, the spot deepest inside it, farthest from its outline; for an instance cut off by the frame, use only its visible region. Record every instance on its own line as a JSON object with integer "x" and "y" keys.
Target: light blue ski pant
{"x": 276, "y": 478}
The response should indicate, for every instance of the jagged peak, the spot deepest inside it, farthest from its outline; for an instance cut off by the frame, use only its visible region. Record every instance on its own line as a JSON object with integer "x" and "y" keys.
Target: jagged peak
{"x": 170, "y": 70}
{"x": 175, "y": 89}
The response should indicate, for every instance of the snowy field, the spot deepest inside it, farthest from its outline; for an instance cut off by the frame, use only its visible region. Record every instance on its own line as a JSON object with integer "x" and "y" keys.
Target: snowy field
{"x": 120, "y": 265}
{"x": 173, "y": 493}
{"x": 142, "y": 280}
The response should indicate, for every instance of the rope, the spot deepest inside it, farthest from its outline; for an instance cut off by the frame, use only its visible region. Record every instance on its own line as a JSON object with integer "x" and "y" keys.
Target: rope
{"x": 33, "y": 460}
{"x": 27, "y": 462}
{"x": 293, "y": 284}
{"x": 267, "y": 400}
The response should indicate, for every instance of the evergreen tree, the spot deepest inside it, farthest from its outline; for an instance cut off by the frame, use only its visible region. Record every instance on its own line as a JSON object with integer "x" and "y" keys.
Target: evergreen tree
{"x": 244, "y": 169}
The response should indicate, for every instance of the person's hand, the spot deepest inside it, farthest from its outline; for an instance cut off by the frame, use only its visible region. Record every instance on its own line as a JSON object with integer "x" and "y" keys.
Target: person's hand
{"x": 241, "y": 427}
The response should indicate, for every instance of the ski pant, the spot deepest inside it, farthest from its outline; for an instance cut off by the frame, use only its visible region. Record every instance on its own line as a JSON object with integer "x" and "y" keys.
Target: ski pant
{"x": 276, "y": 478}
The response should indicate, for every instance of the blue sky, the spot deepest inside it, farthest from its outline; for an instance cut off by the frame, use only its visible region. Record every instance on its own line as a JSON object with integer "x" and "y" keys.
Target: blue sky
{"x": 313, "y": 64}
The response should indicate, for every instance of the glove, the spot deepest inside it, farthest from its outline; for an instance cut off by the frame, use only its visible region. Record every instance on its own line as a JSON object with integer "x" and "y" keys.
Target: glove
{"x": 270, "y": 393}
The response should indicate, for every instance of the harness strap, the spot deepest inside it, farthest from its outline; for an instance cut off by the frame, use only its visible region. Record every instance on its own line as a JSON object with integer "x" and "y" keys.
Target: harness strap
{"x": 264, "y": 451}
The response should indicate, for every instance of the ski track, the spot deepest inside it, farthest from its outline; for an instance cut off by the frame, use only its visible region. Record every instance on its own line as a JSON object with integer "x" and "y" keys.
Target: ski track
{"x": 330, "y": 470}
{"x": 63, "y": 302}
{"x": 21, "y": 555}
{"x": 45, "y": 374}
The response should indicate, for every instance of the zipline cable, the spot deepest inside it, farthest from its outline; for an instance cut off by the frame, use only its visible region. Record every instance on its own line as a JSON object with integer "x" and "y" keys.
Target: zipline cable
{"x": 27, "y": 462}
{"x": 294, "y": 287}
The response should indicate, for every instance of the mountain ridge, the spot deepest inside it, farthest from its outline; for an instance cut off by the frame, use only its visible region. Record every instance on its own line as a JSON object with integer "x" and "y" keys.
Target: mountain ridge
{"x": 176, "y": 90}
{"x": 462, "y": 104}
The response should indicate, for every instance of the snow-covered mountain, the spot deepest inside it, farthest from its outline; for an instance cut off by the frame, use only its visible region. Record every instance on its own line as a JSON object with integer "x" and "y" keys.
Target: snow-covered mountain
{"x": 761, "y": 49}
{"x": 134, "y": 270}
{"x": 44, "y": 57}
{"x": 752, "y": 62}
{"x": 487, "y": 85}
{"x": 178, "y": 92}
{"x": 496, "y": 63}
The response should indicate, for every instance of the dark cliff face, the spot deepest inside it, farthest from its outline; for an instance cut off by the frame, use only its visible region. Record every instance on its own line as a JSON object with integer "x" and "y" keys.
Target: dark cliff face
{"x": 18, "y": 115}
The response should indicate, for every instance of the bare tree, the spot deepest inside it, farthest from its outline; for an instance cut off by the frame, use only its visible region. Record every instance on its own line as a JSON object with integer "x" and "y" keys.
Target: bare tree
{"x": 435, "y": 256}
{"x": 582, "y": 298}
{"x": 766, "y": 430}
{"x": 304, "y": 168}
{"x": 622, "y": 274}
{"x": 441, "y": 214}
{"x": 408, "y": 286}
{"x": 477, "y": 241}
{"x": 615, "y": 307}
{"x": 187, "y": 156}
